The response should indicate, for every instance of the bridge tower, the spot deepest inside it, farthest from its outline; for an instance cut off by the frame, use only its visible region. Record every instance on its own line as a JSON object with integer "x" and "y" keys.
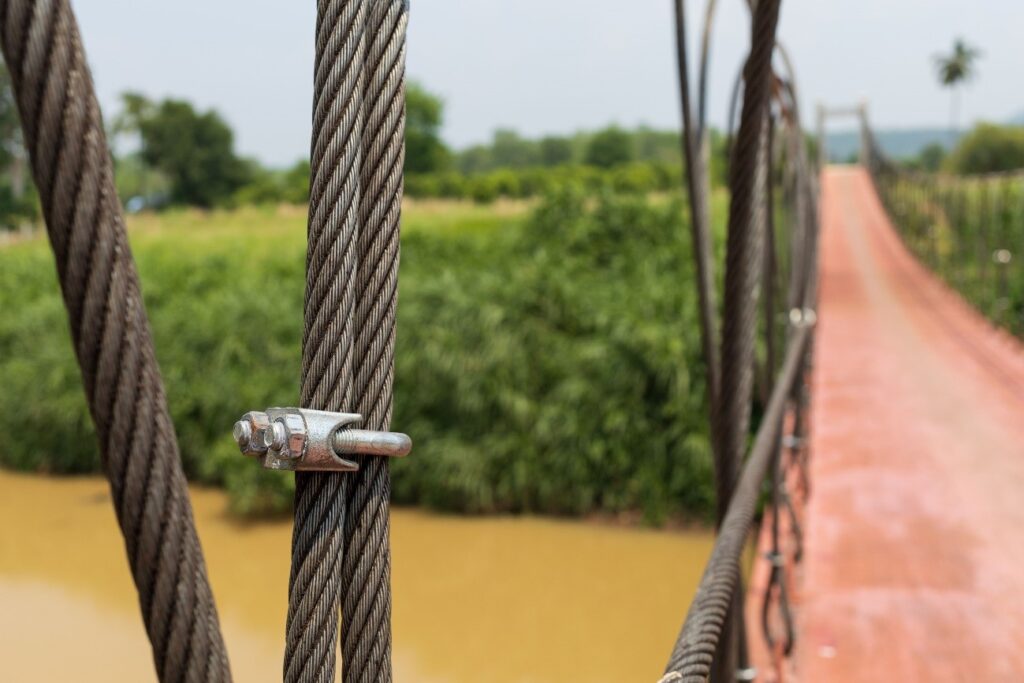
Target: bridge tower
{"x": 858, "y": 111}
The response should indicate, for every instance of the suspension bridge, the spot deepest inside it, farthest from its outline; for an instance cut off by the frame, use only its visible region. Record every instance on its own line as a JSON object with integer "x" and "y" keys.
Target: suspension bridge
{"x": 887, "y": 434}
{"x": 917, "y": 468}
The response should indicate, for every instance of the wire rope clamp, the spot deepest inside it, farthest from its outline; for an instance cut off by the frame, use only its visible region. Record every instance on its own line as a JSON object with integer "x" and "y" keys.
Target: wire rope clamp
{"x": 300, "y": 439}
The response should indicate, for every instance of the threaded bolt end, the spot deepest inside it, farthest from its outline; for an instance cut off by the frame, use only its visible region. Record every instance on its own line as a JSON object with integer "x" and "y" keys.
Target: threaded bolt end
{"x": 242, "y": 434}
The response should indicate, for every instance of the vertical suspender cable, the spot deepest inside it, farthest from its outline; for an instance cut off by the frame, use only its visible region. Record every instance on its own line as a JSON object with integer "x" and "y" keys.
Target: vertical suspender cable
{"x": 314, "y": 587}
{"x": 366, "y": 568}
{"x": 73, "y": 172}
{"x": 340, "y": 554}
{"x": 746, "y": 219}
{"x": 700, "y": 230}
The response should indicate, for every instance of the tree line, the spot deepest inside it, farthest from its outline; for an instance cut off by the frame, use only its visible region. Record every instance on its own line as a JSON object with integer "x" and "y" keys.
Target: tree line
{"x": 168, "y": 152}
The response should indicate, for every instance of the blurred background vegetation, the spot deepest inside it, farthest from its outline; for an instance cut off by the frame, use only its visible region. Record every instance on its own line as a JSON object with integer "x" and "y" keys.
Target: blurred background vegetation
{"x": 547, "y": 360}
{"x": 548, "y": 348}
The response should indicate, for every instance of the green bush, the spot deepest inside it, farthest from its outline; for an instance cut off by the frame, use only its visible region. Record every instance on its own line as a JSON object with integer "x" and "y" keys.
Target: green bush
{"x": 609, "y": 148}
{"x": 988, "y": 148}
{"x": 535, "y": 181}
{"x": 549, "y": 366}
{"x": 266, "y": 186}
{"x": 555, "y": 368}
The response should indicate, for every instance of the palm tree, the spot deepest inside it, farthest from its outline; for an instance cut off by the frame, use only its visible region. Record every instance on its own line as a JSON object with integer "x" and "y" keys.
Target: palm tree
{"x": 953, "y": 71}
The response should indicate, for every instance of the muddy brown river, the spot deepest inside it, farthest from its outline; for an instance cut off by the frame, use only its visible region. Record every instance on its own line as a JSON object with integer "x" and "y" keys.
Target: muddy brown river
{"x": 504, "y": 600}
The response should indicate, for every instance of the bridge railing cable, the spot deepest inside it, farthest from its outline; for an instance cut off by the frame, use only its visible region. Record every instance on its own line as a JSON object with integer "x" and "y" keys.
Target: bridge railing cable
{"x": 771, "y": 253}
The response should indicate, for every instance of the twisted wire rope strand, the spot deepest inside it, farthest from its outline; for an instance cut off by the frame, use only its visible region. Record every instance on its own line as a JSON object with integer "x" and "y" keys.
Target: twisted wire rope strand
{"x": 746, "y": 225}
{"x": 695, "y": 648}
{"x": 695, "y": 652}
{"x": 73, "y": 172}
{"x": 314, "y": 586}
{"x": 366, "y": 568}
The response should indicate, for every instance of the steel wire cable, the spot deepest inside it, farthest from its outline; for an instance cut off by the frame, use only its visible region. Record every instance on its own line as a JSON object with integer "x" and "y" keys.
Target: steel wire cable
{"x": 746, "y": 220}
{"x": 73, "y": 172}
{"x": 776, "y": 586}
{"x": 341, "y": 556}
{"x": 366, "y": 567}
{"x": 314, "y": 586}
{"x": 694, "y": 650}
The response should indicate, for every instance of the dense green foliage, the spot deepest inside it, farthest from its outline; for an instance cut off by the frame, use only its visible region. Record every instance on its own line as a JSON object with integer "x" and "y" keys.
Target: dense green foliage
{"x": 424, "y": 150}
{"x": 271, "y": 186}
{"x": 549, "y": 364}
{"x": 988, "y": 148}
{"x": 534, "y": 181}
{"x": 612, "y": 146}
{"x": 969, "y": 231}
{"x": 930, "y": 159}
{"x": 609, "y": 148}
{"x": 187, "y": 158}
{"x": 640, "y": 160}
{"x": 193, "y": 150}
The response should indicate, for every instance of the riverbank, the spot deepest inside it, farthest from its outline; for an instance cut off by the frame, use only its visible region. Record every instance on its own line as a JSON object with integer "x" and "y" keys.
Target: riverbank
{"x": 502, "y": 599}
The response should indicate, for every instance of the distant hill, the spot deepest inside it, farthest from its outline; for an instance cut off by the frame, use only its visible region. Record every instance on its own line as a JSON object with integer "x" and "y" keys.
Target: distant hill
{"x": 898, "y": 143}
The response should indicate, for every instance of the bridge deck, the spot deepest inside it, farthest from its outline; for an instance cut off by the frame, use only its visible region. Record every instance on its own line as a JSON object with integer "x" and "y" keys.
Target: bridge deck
{"x": 914, "y": 566}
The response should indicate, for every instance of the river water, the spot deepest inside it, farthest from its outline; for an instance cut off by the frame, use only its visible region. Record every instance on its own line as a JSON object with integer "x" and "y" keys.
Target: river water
{"x": 503, "y": 600}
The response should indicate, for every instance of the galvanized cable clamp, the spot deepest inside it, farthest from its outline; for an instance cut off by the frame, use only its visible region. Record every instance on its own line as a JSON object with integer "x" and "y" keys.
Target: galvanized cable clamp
{"x": 803, "y": 317}
{"x": 747, "y": 674}
{"x": 300, "y": 439}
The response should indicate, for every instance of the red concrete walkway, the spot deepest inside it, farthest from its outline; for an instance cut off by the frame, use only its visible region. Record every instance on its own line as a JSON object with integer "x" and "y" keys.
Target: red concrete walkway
{"x": 914, "y": 565}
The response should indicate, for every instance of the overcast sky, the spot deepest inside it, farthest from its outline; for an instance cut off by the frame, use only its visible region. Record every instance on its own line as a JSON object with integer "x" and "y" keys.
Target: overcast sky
{"x": 549, "y": 66}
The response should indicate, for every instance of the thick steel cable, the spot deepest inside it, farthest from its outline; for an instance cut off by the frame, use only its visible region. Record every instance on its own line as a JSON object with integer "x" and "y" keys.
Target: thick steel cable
{"x": 366, "y": 568}
{"x": 695, "y": 648}
{"x": 747, "y": 181}
{"x": 73, "y": 173}
{"x": 314, "y": 587}
{"x": 744, "y": 242}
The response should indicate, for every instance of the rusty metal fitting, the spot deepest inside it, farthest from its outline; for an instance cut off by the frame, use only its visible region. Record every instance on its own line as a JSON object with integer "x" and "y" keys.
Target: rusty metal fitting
{"x": 300, "y": 439}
